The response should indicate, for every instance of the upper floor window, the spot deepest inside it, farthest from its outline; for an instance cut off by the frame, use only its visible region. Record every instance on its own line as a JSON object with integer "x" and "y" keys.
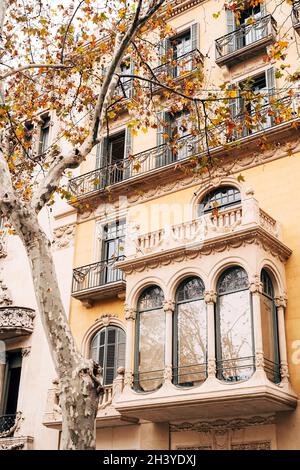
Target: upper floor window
{"x": 112, "y": 158}
{"x": 44, "y": 135}
{"x": 220, "y": 198}
{"x": 269, "y": 328}
{"x": 108, "y": 349}
{"x": 190, "y": 334}
{"x": 234, "y": 332}
{"x": 150, "y": 333}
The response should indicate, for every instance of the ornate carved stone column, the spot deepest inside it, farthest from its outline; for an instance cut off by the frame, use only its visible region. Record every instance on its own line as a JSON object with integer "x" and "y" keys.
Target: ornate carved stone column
{"x": 130, "y": 316}
{"x": 255, "y": 288}
{"x": 280, "y": 303}
{"x": 169, "y": 307}
{"x": 210, "y": 298}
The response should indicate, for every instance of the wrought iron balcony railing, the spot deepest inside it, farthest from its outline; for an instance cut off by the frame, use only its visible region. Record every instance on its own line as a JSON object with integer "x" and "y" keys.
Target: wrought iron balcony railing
{"x": 178, "y": 66}
{"x": 296, "y": 15}
{"x": 138, "y": 164}
{"x": 264, "y": 117}
{"x": 93, "y": 276}
{"x": 230, "y": 47}
{"x": 7, "y": 423}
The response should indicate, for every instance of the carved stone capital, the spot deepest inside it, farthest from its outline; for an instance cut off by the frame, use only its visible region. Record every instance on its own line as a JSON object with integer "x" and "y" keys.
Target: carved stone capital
{"x": 128, "y": 378}
{"x": 284, "y": 372}
{"x": 256, "y": 285}
{"x": 130, "y": 313}
{"x": 168, "y": 374}
{"x": 281, "y": 301}
{"x": 211, "y": 368}
{"x": 259, "y": 360}
{"x": 169, "y": 305}
{"x": 210, "y": 297}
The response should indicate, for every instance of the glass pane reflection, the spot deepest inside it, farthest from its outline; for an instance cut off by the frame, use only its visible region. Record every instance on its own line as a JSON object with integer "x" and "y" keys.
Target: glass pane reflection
{"x": 236, "y": 344}
{"x": 191, "y": 343}
{"x": 151, "y": 349}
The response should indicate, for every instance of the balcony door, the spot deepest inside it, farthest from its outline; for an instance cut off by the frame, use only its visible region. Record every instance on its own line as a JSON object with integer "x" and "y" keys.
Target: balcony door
{"x": 182, "y": 47}
{"x": 113, "y": 248}
{"x": 10, "y": 393}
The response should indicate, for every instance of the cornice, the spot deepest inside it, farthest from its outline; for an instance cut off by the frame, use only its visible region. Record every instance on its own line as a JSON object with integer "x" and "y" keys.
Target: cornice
{"x": 223, "y": 424}
{"x": 233, "y": 240}
{"x": 180, "y": 6}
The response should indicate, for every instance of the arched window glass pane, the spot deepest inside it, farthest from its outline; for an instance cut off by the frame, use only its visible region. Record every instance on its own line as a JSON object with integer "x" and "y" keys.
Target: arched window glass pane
{"x": 151, "y": 339}
{"x": 220, "y": 198}
{"x": 190, "y": 289}
{"x": 190, "y": 334}
{"x": 108, "y": 349}
{"x": 269, "y": 329}
{"x": 234, "y": 327}
{"x": 151, "y": 298}
{"x": 232, "y": 280}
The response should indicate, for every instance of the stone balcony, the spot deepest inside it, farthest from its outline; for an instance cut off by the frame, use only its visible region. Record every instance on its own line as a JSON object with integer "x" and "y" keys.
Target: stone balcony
{"x": 107, "y": 414}
{"x": 16, "y": 321}
{"x": 246, "y": 41}
{"x": 9, "y": 427}
{"x": 234, "y": 225}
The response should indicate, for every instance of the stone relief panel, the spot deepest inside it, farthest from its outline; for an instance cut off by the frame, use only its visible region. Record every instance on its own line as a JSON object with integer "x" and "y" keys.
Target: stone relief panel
{"x": 63, "y": 237}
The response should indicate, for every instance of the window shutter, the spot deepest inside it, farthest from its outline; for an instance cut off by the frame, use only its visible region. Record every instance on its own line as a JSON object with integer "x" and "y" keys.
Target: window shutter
{"x": 195, "y": 36}
{"x": 129, "y": 87}
{"x": 263, "y": 9}
{"x": 127, "y": 152}
{"x": 271, "y": 85}
{"x": 231, "y": 26}
{"x": 163, "y": 47}
{"x": 270, "y": 79}
{"x": 101, "y": 153}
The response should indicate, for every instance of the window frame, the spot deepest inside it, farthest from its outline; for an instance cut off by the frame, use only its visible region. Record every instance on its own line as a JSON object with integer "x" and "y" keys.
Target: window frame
{"x": 218, "y": 339}
{"x": 175, "y": 352}
{"x": 117, "y": 343}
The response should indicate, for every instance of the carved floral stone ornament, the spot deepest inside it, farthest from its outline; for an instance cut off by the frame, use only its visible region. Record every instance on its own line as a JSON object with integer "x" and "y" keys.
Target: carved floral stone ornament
{"x": 169, "y": 305}
{"x": 256, "y": 285}
{"x": 210, "y": 297}
{"x": 3, "y": 243}
{"x": 130, "y": 313}
{"x": 5, "y": 297}
{"x": 63, "y": 237}
{"x": 106, "y": 318}
{"x": 16, "y": 317}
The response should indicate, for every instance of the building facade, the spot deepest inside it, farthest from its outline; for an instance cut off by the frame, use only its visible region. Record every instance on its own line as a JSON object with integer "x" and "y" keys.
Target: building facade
{"x": 184, "y": 287}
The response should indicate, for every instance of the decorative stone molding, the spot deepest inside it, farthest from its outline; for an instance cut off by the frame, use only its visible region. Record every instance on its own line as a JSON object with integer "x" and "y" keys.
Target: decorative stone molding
{"x": 281, "y": 301}
{"x": 223, "y": 425}
{"x": 233, "y": 240}
{"x": 211, "y": 368}
{"x": 258, "y": 445}
{"x": 284, "y": 372}
{"x": 259, "y": 360}
{"x": 130, "y": 313}
{"x": 3, "y": 244}
{"x": 256, "y": 285}
{"x": 128, "y": 379}
{"x": 63, "y": 237}
{"x": 106, "y": 318}
{"x": 168, "y": 305}
{"x": 210, "y": 297}
{"x": 168, "y": 374}
{"x": 5, "y": 297}
{"x": 16, "y": 321}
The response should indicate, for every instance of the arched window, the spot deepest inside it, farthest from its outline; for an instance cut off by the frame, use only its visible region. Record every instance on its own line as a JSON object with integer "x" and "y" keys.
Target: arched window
{"x": 190, "y": 333}
{"x": 269, "y": 328}
{"x": 220, "y": 198}
{"x": 235, "y": 351}
{"x": 108, "y": 349}
{"x": 150, "y": 340}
